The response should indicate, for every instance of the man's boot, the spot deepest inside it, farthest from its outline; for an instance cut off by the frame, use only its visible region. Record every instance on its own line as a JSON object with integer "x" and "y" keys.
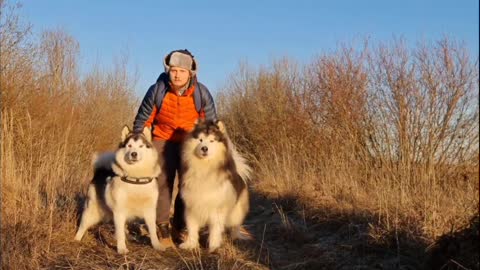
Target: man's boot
{"x": 164, "y": 235}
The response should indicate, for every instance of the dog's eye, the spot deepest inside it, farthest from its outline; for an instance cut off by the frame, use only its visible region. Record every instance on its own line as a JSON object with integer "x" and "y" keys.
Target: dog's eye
{"x": 129, "y": 145}
{"x": 201, "y": 140}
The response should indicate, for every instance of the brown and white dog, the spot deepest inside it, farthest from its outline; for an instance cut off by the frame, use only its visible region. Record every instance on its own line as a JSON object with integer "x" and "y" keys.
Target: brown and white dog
{"x": 124, "y": 186}
{"x": 214, "y": 184}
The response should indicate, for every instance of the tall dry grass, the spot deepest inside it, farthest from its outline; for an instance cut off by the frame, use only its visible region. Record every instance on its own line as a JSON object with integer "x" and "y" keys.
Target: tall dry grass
{"x": 52, "y": 121}
{"x": 387, "y": 130}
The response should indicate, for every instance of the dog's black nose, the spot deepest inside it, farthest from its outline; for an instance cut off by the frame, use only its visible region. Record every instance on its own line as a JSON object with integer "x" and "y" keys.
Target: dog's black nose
{"x": 134, "y": 154}
{"x": 204, "y": 149}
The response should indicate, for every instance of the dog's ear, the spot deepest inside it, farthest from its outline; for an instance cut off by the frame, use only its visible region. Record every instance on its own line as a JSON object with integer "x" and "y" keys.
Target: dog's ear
{"x": 147, "y": 132}
{"x": 221, "y": 126}
{"x": 125, "y": 131}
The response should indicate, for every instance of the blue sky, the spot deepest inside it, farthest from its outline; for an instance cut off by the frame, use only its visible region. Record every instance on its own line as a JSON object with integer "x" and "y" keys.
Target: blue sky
{"x": 222, "y": 33}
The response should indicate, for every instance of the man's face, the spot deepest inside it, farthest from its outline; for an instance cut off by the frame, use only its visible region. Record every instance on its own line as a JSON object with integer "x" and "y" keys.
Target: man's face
{"x": 179, "y": 76}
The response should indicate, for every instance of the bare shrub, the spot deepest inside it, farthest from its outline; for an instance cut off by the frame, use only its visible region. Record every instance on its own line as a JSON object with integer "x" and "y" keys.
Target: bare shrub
{"x": 423, "y": 125}
{"x": 16, "y": 54}
{"x": 385, "y": 128}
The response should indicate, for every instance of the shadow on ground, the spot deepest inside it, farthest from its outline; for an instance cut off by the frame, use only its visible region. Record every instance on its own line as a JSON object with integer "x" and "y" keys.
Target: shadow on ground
{"x": 289, "y": 236}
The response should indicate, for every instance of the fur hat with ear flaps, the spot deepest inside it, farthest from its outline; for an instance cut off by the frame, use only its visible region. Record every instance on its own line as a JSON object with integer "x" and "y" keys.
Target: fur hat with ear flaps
{"x": 181, "y": 58}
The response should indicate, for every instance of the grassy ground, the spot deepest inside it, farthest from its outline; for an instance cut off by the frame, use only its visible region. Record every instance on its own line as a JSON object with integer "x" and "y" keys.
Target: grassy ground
{"x": 288, "y": 234}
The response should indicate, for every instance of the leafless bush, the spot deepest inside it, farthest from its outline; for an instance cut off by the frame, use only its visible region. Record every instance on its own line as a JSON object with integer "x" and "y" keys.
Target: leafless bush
{"x": 386, "y": 127}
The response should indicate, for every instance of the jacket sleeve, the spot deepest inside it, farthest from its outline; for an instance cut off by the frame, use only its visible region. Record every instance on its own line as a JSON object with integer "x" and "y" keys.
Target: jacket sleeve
{"x": 208, "y": 104}
{"x": 146, "y": 109}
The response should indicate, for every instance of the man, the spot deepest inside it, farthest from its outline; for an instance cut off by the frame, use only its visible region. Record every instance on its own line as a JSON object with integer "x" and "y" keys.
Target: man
{"x": 171, "y": 107}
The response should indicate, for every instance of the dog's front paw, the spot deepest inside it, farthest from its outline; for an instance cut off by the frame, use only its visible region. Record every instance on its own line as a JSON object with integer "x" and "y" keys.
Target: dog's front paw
{"x": 79, "y": 235}
{"x": 213, "y": 248}
{"x": 188, "y": 245}
{"x": 122, "y": 250}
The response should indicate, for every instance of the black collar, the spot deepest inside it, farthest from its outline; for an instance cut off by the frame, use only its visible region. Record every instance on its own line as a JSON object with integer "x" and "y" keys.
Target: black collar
{"x": 134, "y": 180}
{"x": 137, "y": 181}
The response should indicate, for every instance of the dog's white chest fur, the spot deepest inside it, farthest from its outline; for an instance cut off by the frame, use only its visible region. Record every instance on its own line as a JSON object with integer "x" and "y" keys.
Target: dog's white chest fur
{"x": 131, "y": 199}
{"x": 212, "y": 194}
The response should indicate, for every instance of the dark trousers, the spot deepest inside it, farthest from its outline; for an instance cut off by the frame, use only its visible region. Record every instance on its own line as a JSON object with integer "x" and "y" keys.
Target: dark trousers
{"x": 169, "y": 159}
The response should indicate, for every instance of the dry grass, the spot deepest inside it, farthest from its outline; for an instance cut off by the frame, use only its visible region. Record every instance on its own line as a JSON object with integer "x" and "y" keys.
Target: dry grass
{"x": 383, "y": 136}
{"x": 363, "y": 158}
{"x": 52, "y": 122}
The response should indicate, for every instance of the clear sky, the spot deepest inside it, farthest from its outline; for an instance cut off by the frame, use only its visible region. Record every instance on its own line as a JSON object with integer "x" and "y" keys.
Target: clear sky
{"x": 222, "y": 33}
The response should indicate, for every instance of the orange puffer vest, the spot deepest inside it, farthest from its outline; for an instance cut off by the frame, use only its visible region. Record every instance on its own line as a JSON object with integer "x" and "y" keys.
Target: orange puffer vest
{"x": 176, "y": 118}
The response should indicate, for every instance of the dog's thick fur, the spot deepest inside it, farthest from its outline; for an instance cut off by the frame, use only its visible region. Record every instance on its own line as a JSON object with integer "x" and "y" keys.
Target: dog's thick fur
{"x": 111, "y": 194}
{"x": 214, "y": 184}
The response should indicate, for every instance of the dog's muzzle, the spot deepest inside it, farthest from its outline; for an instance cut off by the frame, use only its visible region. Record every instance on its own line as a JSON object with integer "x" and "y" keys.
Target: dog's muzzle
{"x": 204, "y": 151}
{"x": 131, "y": 157}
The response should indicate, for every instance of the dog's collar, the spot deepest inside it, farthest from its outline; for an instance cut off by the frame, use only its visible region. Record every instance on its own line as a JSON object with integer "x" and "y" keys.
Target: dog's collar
{"x": 137, "y": 181}
{"x": 134, "y": 180}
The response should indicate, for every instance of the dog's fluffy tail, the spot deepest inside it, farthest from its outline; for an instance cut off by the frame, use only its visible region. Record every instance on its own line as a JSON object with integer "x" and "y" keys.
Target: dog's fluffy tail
{"x": 243, "y": 169}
